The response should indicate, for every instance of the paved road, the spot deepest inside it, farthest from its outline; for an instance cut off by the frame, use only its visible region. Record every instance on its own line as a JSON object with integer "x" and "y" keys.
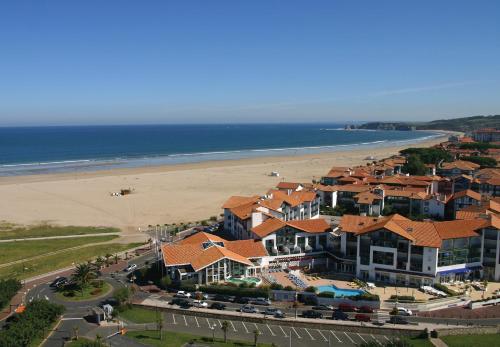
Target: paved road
{"x": 62, "y": 237}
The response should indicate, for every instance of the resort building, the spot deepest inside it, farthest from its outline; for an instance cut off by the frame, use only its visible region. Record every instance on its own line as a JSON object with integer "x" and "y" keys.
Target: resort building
{"x": 457, "y": 168}
{"x": 486, "y": 135}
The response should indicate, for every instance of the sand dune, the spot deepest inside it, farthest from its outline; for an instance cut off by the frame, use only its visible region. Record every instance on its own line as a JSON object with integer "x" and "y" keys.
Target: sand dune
{"x": 161, "y": 195}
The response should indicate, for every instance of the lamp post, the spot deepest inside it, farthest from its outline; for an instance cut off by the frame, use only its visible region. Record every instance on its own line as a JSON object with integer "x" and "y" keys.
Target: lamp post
{"x": 212, "y": 327}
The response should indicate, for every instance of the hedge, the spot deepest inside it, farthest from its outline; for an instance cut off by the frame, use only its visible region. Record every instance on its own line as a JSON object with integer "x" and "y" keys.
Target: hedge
{"x": 330, "y": 295}
{"x": 8, "y": 288}
{"x": 365, "y": 296}
{"x": 402, "y": 297}
{"x": 445, "y": 289}
{"x": 236, "y": 291}
{"x": 33, "y": 323}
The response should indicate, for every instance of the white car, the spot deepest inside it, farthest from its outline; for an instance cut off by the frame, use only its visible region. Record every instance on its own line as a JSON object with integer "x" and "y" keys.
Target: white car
{"x": 182, "y": 294}
{"x": 131, "y": 267}
{"x": 200, "y": 304}
{"x": 404, "y": 311}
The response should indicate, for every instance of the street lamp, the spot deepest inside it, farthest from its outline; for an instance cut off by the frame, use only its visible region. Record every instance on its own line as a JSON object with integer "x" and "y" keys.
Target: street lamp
{"x": 212, "y": 327}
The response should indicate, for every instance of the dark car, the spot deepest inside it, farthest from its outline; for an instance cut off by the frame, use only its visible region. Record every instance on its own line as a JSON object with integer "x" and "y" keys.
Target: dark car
{"x": 241, "y": 300}
{"x": 323, "y": 308}
{"x": 218, "y": 306}
{"x": 347, "y": 308}
{"x": 271, "y": 311}
{"x": 397, "y": 320}
{"x": 339, "y": 315}
{"x": 312, "y": 314}
{"x": 59, "y": 282}
{"x": 360, "y": 317}
{"x": 180, "y": 302}
{"x": 365, "y": 309}
{"x": 222, "y": 297}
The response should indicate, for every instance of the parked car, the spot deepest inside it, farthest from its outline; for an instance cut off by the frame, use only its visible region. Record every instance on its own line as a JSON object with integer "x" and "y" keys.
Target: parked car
{"x": 323, "y": 308}
{"x": 361, "y": 317}
{"x": 261, "y": 301}
{"x": 222, "y": 297}
{"x": 130, "y": 268}
{"x": 241, "y": 300}
{"x": 271, "y": 311}
{"x": 182, "y": 294}
{"x": 217, "y": 306}
{"x": 59, "y": 282}
{"x": 248, "y": 309}
{"x": 180, "y": 302}
{"x": 404, "y": 311}
{"x": 365, "y": 309}
{"x": 398, "y": 320}
{"x": 339, "y": 315}
{"x": 312, "y": 314}
{"x": 347, "y": 308}
{"x": 200, "y": 304}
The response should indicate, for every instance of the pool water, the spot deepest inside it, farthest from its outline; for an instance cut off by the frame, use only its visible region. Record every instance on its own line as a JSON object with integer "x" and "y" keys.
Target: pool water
{"x": 339, "y": 292}
{"x": 248, "y": 280}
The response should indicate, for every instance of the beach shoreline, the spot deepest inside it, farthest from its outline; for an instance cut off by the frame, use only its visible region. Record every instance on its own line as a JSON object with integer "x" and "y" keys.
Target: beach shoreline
{"x": 164, "y": 194}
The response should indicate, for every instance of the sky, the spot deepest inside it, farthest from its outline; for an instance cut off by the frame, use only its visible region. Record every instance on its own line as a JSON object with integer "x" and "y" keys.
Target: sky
{"x": 149, "y": 62}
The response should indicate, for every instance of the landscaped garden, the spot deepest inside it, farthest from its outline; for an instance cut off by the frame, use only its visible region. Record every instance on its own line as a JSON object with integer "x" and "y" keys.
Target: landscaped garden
{"x": 487, "y": 340}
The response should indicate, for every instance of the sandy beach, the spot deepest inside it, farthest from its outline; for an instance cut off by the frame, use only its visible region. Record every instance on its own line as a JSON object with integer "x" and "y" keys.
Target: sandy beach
{"x": 167, "y": 194}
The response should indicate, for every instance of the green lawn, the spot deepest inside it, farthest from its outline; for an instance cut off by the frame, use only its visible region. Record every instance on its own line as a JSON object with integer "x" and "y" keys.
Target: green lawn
{"x": 90, "y": 292}
{"x": 487, "y": 340}
{"x": 171, "y": 339}
{"x": 12, "y": 251}
{"x": 82, "y": 341}
{"x": 62, "y": 260}
{"x": 139, "y": 315}
{"x": 9, "y": 231}
{"x": 419, "y": 342}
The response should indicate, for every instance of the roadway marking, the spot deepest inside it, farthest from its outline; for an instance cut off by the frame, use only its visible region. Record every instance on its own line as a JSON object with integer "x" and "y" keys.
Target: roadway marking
{"x": 361, "y": 337}
{"x": 373, "y": 337}
{"x": 307, "y": 331}
{"x": 234, "y": 329}
{"x": 296, "y": 333}
{"x": 208, "y": 323}
{"x": 256, "y": 327}
{"x": 244, "y": 326}
{"x": 323, "y": 336}
{"x": 350, "y": 338}
{"x": 173, "y": 318}
{"x": 196, "y": 319}
{"x": 272, "y": 333}
{"x": 336, "y": 336}
{"x": 386, "y": 338}
{"x": 283, "y": 331}
{"x": 218, "y": 320}
{"x": 185, "y": 321}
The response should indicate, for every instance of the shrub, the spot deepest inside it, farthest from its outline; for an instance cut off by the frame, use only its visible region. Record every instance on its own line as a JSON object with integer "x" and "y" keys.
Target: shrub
{"x": 311, "y": 289}
{"x": 289, "y": 289}
{"x": 445, "y": 289}
{"x": 402, "y": 297}
{"x": 330, "y": 295}
{"x": 96, "y": 291}
{"x": 276, "y": 286}
{"x": 365, "y": 296}
{"x": 236, "y": 291}
{"x": 32, "y": 323}
{"x": 166, "y": 282}
{"x": 8, "y": 288}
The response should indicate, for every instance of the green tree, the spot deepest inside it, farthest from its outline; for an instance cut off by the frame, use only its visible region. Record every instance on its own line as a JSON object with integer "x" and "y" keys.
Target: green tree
{"x": 83, "y": 274}
{"x": 225, "y": 327}
{"x": 116, "y": 258}
{"x": 256, "y": 334}
{"x": 159, "y": 324}
{"x": 415, "y": 166}
{"x": 122, "y": 295}
{"x": 99, "y": 262}
{"x": 166, "y": 282}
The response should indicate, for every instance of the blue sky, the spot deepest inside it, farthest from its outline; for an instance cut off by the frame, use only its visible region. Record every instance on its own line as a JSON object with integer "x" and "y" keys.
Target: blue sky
{"x": 122, "y": 62}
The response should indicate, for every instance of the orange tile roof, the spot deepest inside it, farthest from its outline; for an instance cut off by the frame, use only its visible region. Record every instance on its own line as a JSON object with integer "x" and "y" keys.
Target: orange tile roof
{"x": 313, "y": 226}
{"x": 244, "y": 211}
{"x": 288, "y": 185}
{"x": 267, "y": 227}
{"x": 463, "y": 214}
{"x": 247, "y": 248}
{"x": 470, "y": 193}
{"x": 460, "y": 164}
{"x": 235, "y": 201}
{"x": 366, "y": 197}
{"x": 354, "y": 223}
{"x": 459, "y": 228}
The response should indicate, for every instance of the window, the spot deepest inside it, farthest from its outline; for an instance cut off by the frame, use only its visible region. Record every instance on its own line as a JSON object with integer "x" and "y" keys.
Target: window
{"x": 383, "y": 258}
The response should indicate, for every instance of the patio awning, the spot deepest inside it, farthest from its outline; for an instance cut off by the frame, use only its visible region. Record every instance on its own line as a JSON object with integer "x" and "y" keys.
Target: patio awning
{"x": 466, "y": 269}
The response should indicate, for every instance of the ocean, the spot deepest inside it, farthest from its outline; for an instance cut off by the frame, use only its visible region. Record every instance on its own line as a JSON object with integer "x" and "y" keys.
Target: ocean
{"x": 38, "y": 150}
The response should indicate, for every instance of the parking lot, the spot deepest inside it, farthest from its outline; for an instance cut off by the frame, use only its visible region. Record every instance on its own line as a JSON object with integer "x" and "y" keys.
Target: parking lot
{"x": 280, "y": 335}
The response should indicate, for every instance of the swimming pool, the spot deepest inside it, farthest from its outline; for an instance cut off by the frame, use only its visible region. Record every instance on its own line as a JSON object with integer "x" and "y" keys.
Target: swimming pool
{"x": 339, "y": 292}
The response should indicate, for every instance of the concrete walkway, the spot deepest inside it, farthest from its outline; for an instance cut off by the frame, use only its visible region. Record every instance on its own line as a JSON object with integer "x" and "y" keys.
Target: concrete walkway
{"x": 438, "y": 342}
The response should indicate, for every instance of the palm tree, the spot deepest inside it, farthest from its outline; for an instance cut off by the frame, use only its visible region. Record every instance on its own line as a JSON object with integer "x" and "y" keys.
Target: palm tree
{"x": 126, "y": 255}
{"x": 107, "y": 256}
{"x": 75, "y": 332}
{"x": 116, "y": 258}
{"x": 224, "y": 327}
{"x": 83, "y": 274}
{"x": 99, "y": 262}
{"x": 256, "y": 334}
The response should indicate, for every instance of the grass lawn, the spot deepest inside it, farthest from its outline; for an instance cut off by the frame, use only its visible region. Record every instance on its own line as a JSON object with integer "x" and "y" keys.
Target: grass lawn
{"x": 9, "y": 231}
{"x": 419, "y": 342}
{"x": 139, "y": 315}
{"x": 171, "y": 339}
{"x": 91, "y": 292}
{"x": 12, "y": 251}
{"x": 78, "y": 343}
{"x": 487, "y": 340}
{"x": 62, "y": 260}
